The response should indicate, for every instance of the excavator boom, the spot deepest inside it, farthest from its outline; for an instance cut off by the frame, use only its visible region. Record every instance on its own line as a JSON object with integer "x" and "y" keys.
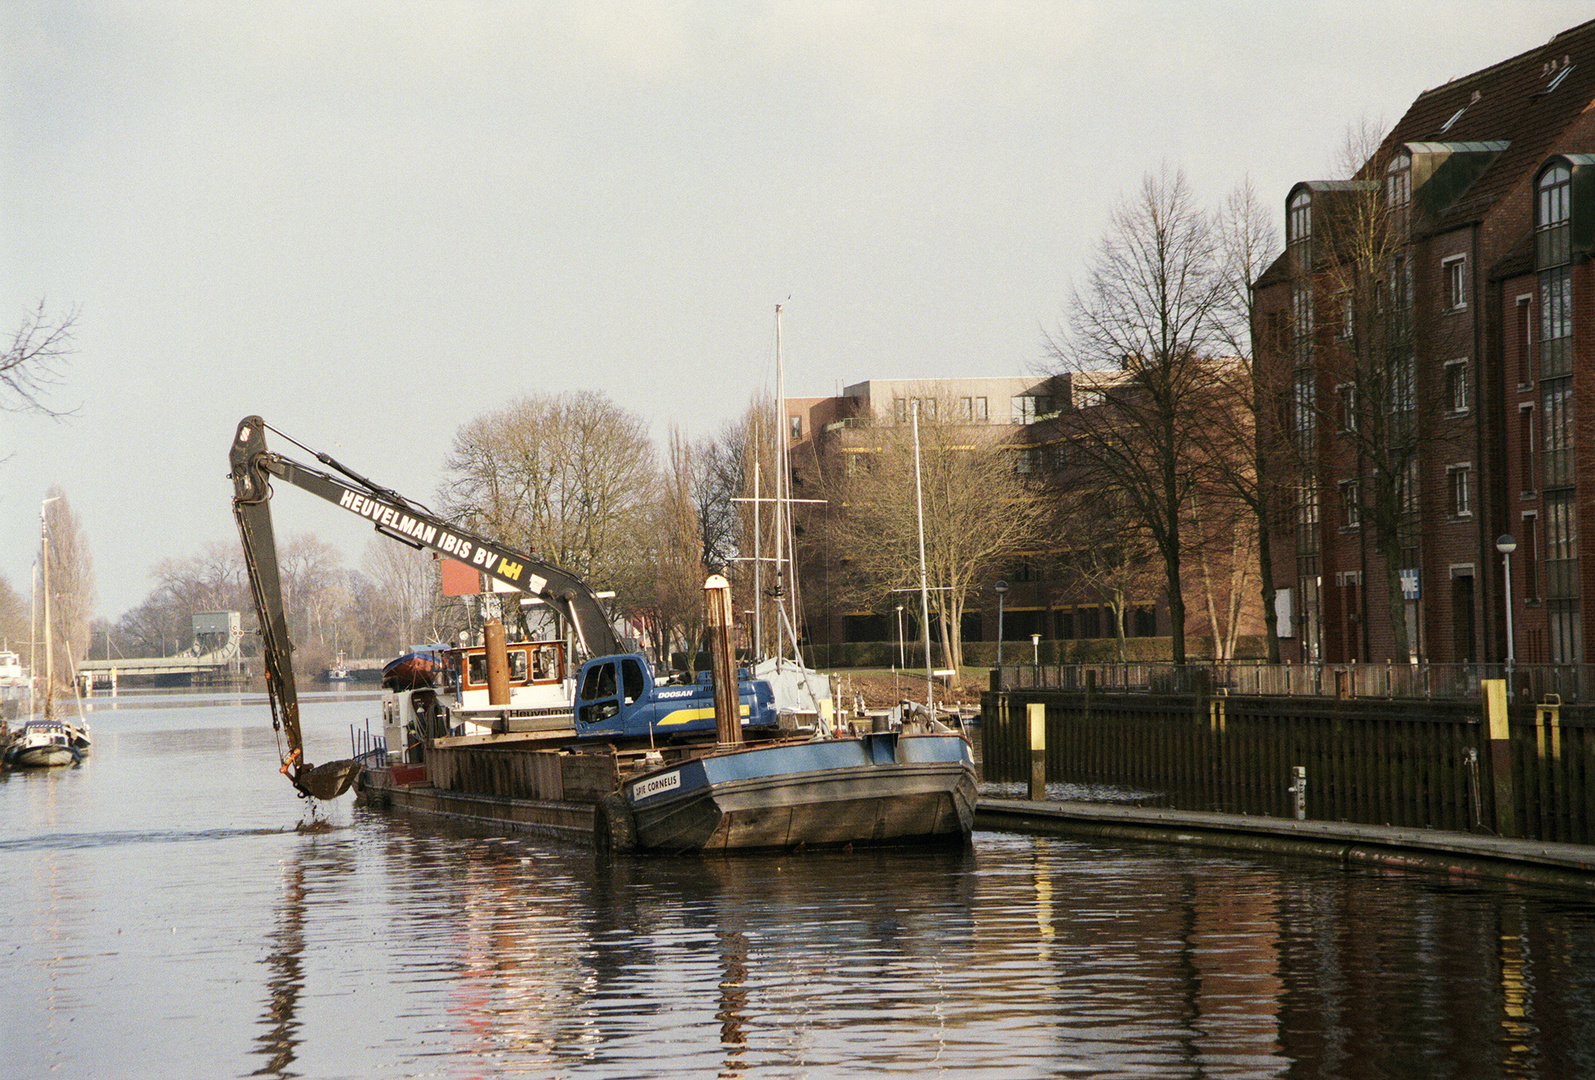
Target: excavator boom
{"x": 253, "y": 469}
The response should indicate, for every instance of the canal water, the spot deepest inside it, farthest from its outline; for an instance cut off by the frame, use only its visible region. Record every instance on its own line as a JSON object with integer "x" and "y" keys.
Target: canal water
{"x": 173, "y": 910}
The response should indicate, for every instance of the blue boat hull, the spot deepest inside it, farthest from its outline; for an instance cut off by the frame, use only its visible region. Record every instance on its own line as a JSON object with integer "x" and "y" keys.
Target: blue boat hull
{"x": 877, "y": 789}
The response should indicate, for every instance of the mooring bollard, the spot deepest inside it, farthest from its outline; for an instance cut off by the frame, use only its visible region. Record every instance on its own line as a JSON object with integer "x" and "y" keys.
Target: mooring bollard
{"x": 1298, "y": 788}
{"x": 1036, "y": 714}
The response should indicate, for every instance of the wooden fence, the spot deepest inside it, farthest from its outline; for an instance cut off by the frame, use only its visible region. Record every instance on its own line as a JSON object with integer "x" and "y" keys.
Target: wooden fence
{"x": 1412, "y": 763}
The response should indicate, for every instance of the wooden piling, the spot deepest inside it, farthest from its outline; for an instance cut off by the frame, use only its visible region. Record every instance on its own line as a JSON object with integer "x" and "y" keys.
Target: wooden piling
{"x": 498, "y": 663}
{"x": 722, "y": 660}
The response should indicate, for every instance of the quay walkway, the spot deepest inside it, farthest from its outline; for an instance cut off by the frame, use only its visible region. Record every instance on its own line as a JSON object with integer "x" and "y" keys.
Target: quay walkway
{"x": 1456, "y": 854}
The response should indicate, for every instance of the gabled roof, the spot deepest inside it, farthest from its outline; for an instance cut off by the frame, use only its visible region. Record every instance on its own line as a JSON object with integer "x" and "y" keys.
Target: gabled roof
{"x": 1528, "y": 102}
{"x": 1516, "y": 111}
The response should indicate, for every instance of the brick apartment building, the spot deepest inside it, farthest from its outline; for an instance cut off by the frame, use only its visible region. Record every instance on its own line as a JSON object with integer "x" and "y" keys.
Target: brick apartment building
{"x": 1027, "y": 417}
{"x": 1452, "y": 392}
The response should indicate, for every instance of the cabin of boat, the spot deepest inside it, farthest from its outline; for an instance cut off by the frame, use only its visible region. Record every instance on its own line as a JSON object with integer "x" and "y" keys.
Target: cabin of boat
{"x": 14, "y": 683}
{"x": 459, "y": 702}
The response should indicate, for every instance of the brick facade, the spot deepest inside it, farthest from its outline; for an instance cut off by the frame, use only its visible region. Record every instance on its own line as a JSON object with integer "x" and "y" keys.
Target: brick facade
{"x": 1463, "y": 167}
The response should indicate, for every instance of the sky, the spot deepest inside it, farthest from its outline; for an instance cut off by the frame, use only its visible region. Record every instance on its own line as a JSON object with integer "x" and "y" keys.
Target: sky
{"x": 371, "y": 222}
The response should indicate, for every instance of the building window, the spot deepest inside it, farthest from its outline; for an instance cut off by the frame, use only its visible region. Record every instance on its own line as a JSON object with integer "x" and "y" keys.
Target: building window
{"x": 1026, "y": 460}
{"x": 1407, "y": 487}
{"x": 1028, "y": 408}
{"x": 1556, "y": 433}
{"x": 1525, "y": 450}
{"x": 1346, "y": 407}
{"x": 980, "y": 410}
{"x": 1525, "y": 343}
{"x": 1553, "y": 216}
{"x": 1300, "y": 221}
{"x": 1529, "y": 551}
{"x": 1561, "y": 546}
{"x": 900, "y": 410}
{"x": 1454, "y": 272}
{"x": 1456, "y": 385}
{"x": 1459, "y": 478}
{"x": 966, "y": 409}
{"x": 1351, "y": 504}
{"x": 1398, "y": 191}
{"x": 1556, "y": 321}
{"x": 796, "y": 423}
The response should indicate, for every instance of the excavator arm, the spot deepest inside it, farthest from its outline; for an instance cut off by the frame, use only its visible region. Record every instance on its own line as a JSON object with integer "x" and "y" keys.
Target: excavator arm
{"x": 253, "y": 469}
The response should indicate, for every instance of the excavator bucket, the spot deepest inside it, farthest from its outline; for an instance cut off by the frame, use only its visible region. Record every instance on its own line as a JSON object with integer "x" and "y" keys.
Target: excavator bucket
{"x": 327, "y": 782}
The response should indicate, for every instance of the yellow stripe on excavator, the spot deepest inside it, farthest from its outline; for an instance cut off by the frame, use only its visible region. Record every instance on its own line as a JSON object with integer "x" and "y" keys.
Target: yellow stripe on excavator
{"x": 687, "y": 716}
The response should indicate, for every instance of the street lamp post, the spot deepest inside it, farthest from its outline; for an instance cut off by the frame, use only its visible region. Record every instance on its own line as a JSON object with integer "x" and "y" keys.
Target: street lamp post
{"x": 1035, "y": 659}
{"x": 1001, "y": 589}
{"x": 902, "y": 661}
{"x": 1505, "y": 544}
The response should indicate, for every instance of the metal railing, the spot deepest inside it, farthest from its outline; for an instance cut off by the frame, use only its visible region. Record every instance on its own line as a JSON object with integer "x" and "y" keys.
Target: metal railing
{"x": 1390, "y": 680}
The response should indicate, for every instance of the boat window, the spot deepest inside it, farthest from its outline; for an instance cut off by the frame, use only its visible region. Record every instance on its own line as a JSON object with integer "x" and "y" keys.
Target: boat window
{"x": 545, "y": 663}
{"x": 517, "y": 659}
{"x": 631, "y": 672}
{"x": 476, "y": 669}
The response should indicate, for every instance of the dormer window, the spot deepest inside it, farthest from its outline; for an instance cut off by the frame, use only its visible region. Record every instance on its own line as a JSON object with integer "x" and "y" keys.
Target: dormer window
{"x": 1398, "y": 190}
{"x": 1553, "y": 216}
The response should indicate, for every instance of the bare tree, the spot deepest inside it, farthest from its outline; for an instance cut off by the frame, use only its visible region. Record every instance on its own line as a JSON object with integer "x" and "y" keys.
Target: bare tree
{"x": 31, "y": 364}
{"x": 669, "y": 600}
{"x": 71, "y": 582}
{"x": 1107, "y": 553}
{"x": 14, "y": 627}
{"x": 1148, "y": 310}
{"x": 1238, "y": 444}
{"x": 570, "y": 477}
{"x": 400, "y": 598}
{"x": 979, "y": 514}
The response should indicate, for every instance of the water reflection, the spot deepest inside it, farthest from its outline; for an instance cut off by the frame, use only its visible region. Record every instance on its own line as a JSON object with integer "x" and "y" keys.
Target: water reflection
{"x": 1019, "y": 958}
{"x": 188, "y": 928}
{"x": 286, "y": 979}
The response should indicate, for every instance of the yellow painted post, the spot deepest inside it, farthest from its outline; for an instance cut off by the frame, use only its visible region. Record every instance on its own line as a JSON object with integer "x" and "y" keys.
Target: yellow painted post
{"x": 1548, "y": 723}
{"x": 1494, "y": 693}
{"x": 1036, "y": 714}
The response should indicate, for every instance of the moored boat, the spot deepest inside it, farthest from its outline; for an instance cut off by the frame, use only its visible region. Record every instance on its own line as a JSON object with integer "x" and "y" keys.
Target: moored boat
{"x": 45, "y": 744}
{"x": 415, "y": 670}
{"x": 879, "y": 788}
{"x": 619, "y": 755}
{"x": 14, "y": 685}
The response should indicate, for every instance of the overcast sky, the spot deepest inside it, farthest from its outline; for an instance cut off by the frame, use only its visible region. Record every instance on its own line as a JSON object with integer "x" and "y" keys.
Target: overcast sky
{"x": 370, "y": 222}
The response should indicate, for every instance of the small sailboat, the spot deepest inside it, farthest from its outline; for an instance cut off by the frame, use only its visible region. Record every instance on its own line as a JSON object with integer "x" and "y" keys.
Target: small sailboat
{"x": 42, "y": 744}
{"x": 46, "y": 741}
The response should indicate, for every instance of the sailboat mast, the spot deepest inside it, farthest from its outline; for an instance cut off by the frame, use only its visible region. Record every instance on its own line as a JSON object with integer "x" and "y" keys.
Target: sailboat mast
{"x": 49, "y": 637}
{"x": 33, "y": 643}
{"x": 924, "y": 585}
{"x": 758, "y": 568}
{"x": 781, "y": 578}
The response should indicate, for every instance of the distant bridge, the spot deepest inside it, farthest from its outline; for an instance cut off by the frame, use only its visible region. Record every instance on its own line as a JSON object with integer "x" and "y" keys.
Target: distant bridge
{"x": 216, "y": 654}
